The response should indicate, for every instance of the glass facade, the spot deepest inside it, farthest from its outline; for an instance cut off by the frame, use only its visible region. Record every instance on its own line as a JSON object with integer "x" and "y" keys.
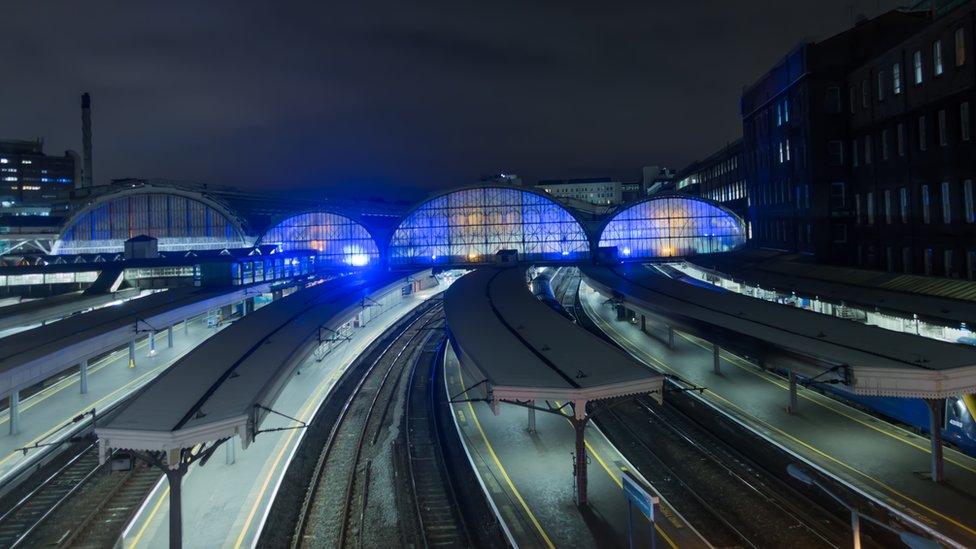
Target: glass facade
{"x": 673, "y": 227}
{"x": 471, "y": 225}
{"x": 337, "y": 239}
{"x": 178, "y": 222}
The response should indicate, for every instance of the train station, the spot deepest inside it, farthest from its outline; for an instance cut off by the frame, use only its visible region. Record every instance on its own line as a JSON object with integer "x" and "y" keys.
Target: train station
{"x": 219, "y": 375}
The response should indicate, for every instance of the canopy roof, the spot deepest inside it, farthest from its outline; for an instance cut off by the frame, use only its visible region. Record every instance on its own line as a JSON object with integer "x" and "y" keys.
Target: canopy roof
{"x": 527, "y": 351}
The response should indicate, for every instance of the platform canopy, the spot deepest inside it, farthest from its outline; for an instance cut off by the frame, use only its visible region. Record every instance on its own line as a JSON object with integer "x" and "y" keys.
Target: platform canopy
{"x": 521, "y": 350}
{"x": 228, "y": 384}
{"x": 882, "y": 362}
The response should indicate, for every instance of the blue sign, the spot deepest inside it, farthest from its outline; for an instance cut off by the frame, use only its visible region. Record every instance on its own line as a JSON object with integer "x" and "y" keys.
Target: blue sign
{"x": 637, "y": 494}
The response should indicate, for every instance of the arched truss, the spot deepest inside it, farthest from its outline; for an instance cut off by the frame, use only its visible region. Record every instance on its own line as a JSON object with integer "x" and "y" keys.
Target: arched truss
{"x": 471, "y": 225}
{"x": 178, "y": 220}
{"x": 338, "y": 240}
{"x": 673, "y": 226}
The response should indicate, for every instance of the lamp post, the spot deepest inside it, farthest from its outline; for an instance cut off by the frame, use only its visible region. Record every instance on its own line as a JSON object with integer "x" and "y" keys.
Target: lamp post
{"x": 909, "y": 539}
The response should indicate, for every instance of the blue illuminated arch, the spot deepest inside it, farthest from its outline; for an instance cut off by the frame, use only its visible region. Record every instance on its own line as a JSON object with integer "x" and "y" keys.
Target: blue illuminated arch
{"x": 673, "y": 226}
{"x": 177, "y": 220}
{"x": 471, "y": 225}
{"x": 338, "y": 240}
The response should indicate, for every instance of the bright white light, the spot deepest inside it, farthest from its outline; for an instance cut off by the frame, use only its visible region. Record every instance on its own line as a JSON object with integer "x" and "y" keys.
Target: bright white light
{"x": 565, "y": 253}
{"x": 358, "y": 260}
{"x": 433, "y": 257}
{"x": 626, "y": 251}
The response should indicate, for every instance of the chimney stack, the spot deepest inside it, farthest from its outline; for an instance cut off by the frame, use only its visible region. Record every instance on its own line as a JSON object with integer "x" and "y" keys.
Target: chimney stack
{"x": 86, "y": 140}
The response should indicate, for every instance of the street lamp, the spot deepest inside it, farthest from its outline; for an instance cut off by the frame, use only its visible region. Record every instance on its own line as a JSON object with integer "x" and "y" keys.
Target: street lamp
{"x": 909, "y": 539}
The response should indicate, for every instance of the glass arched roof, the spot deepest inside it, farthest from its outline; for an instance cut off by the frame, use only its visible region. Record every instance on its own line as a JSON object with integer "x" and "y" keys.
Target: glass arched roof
{"x": 176, "y": 221}
{"x": 673, "y": 226}
{"x": 337, "y": 239}
{"x": 471, "y": 225}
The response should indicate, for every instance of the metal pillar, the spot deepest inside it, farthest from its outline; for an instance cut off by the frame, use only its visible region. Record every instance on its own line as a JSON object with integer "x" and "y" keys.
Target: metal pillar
{"x": 856, "y": 528}
{"x": 152, "y": 343}
{"x": 175, "y": 478}
{"x": 644, "y": 324}
{"x": 14, "y": 410}
{"x": 83, "y": 374}
{"x": 169, "y": 337}
{"x": 670, "y": 336}
{"x": 186, "y": 326}
{"x": 936, "y": 412}
{"x": 793, "y": 408}
{"x": 531, "y": 417}
{"x": 132, "y": 352}
{"x": 579, "y": 468}
{"x": 231, "y": 451}
{"x": 716, "y": 359}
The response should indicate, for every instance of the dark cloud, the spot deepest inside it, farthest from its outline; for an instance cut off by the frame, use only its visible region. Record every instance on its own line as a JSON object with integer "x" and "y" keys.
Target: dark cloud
{"x": 367, "y": 97}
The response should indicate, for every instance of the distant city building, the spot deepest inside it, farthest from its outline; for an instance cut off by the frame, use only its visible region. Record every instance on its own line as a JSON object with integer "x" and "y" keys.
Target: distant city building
{"x": 30, "y": 180}
{"x": 720, "y": 177}
{"x": 797, "y": 138}
{"x": 600, "y": 191}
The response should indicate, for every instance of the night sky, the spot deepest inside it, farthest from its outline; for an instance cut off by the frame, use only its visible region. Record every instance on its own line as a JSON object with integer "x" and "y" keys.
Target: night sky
{"x": 373, "y": 99}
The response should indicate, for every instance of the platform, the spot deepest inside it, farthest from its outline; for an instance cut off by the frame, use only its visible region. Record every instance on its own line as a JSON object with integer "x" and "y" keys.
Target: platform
{"x": 225, "y": 504}
{"x": 41, "y": 311}
{"x": 886, "y": 463}
{"x": 45, "y": 416}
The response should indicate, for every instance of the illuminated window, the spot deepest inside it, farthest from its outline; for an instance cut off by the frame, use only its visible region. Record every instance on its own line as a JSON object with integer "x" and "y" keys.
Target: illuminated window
{"x": 471, "y": 225}
{"x": 896, "y": 78}
{"x": 178, "y": 222}
{"x": 917, "y": 60}
{"x": 673, "y": 227}
{"x": 960, "y": 47}
{"x": 337, "y": 240}
{"x": 937, "y": 57}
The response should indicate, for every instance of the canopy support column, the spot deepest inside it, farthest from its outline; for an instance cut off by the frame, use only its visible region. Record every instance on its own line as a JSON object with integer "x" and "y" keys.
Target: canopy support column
{"x": 152, "y": 342}
{"x": 579, "y": 420}
{"x": 936, "y": 412}
{"x": 671, "y": 337}
{"x": 186, "y": 326}
{"x": 175, "y": 479}
{"x": 716, "y": 359}
{"x": 231, "y": 457}
{"x": 794, "y": 406}
{"x": 83, "y": 376}
{"x": 169, "y": 337}
{"x": 531, "y": 410}
{"x": 13, "y": 409}
{"x": 132, "y": 352}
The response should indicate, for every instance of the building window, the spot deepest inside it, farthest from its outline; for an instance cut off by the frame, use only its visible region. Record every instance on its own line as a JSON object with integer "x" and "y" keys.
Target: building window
{"x": 853, "y": 98}
{"x": 906, "y": 259}
{"x": 867, "y": 149}
{"x": 896, "y": 78}
{"x": 786, "y": 110}
{"x": 937, "y": 57}
{"x": 926, "y": 211}
{"x": 903, "y": 205}
{"x": 946, "y": 203}
{"x": 943, "y": 138}
{"x": 887, "y": 202}
{"x": 865, "y": 94}
{"x": 870, "y": 201}
{"x": 832, "y": 100}
{"x": 857, "y": 208}
{"x": 967, "y": 191}
{"x": 922, "y": 138}
{"x": 917, "y": 58}
{"x": 881, "y": 87}
{"x": 835, "y": 153}
{"x": 855, "y": 153}
{"x": 884, "y": 144}
{"x": 964, "y": 132}
{"x": 837, "y": 198}
{"x": 901, "y": 139}
{"x": 840, "y": 234}
{"x": 947, "y": 263}
{"x": 929, "y": 253}
{"x": 780, "y": 152}
{"x": 960, "y": 47}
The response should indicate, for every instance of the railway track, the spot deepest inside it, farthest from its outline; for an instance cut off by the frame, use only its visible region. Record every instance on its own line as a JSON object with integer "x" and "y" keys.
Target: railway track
{"x": 733, "y": 502}
{"x": 333, "y": 513}
{"x": 438, "y": 518}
